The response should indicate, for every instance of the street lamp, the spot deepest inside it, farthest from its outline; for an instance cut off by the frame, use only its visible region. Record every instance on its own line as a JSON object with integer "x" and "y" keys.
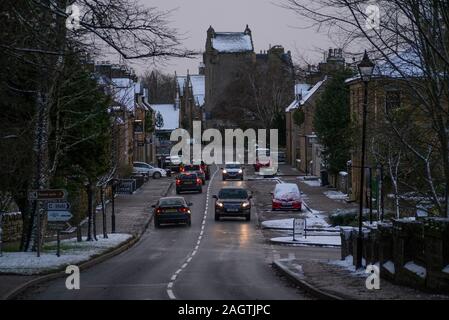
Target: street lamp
{"x": 366, "y": 68}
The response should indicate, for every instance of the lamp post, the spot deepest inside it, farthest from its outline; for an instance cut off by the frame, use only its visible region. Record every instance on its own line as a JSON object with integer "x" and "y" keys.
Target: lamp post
{"x": 366, "y": 67}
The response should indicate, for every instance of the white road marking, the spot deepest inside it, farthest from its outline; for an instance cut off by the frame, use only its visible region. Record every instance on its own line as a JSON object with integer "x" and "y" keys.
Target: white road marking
{"x": 171, "y": 295}
{"x": 194, "y": 252}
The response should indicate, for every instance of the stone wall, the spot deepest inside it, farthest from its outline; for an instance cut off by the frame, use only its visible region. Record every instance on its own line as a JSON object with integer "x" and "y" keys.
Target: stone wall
{"x": 11, "y": 227}
{"x": 409, "y": 252}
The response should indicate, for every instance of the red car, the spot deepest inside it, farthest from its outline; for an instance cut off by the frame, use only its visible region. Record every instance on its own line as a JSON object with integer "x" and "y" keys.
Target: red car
{"x": 286, "y": 196}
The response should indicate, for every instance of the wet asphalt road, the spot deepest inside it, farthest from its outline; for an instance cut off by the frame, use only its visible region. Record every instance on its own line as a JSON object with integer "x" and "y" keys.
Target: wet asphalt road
{"x": 215, "y": 260}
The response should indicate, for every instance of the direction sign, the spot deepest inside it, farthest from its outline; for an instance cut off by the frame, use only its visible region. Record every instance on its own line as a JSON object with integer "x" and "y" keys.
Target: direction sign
{"x": 58, "y": 206}
{"x": 50, "y": 194}
{"x": 59, "y": 216}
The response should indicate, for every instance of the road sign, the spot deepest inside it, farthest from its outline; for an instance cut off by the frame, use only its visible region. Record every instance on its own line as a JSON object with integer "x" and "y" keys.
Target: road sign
{"x": 299, "y": 227}
{"x": 58, "y": 206}
{"x": 50, "y": 194}
{"x": 59, "y": 216}
{"x": 57, "y": 226}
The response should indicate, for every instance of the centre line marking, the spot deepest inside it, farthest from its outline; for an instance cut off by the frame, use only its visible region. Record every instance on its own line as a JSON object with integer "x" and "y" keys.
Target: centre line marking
{"x": 170, "y": 285}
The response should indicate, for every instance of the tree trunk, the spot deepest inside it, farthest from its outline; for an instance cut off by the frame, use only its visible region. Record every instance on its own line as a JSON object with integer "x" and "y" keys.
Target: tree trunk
{"x": 89, "y": 211}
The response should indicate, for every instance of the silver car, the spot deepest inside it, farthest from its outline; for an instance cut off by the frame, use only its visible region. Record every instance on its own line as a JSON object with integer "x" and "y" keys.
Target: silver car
{"x": 149, "y": 170}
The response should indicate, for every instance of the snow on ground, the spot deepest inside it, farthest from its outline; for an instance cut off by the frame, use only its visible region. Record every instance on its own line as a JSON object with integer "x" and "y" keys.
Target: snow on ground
{"x": 348, "y": 264}
{"x": 416, "y": 269}
{"x": 389, "y": 265}
{"x": 72, "y": 252}
{"x": 336, "y": 195}
{"x": 312, "y": 183}
{"x": 333, "y": 241}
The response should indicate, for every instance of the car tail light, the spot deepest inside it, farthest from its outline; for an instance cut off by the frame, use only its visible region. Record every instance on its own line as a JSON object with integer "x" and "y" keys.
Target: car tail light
{"x": 184, "y": 210}
{"x": 199, "y": 181}
{"x": 178, "y": 182}
{"x": 158, "y": 210}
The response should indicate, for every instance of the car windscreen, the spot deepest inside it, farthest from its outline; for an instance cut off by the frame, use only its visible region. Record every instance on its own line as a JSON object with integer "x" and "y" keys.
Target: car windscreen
{"x": 192, "y": 168}
{"x": 188, "y": 177}
{"x": 233, "y": 194}
{"x": 232, "y": 166}
{"x": 171, "y": 202}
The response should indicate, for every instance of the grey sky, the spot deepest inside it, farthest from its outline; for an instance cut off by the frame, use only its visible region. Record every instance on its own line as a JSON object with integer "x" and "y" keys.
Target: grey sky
{"x": 269, "y": 23}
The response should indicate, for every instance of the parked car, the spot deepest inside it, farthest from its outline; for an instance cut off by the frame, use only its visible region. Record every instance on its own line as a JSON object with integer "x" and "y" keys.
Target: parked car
{"x": 145, "y": 168}
{"x": 232, "y": 170}
{"x": 172, "y": 210}
{"x": 188, "y": 182}
{"x": 286, "y": 196}
{"x": 194, "y": 168}
{"x": 232, "y": 202}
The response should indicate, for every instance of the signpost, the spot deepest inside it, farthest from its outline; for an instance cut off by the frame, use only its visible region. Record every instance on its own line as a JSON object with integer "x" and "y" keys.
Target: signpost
{"x": 299, "y": 227}
{"x": 47, "y": 195}
{"x": 57, "y": 215}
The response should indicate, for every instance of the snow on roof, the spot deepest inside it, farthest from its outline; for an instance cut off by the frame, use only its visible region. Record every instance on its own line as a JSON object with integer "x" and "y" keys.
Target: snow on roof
{"x": 123, "y": 92}
{"x": 306, "y": 93}
{"x": 169, "y": 113}
{"x": 181, "y": 80}
{"x": 198, "y": 87}
{"x": 231, "y": 42}
{"x": 400, "y": 65}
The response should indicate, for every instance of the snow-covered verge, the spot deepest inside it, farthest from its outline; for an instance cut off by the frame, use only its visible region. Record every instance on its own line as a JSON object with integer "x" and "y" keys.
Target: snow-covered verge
{"x": 336, "y": 195}
{"x": 348, "y": 264}
{"x": 72, "y": 253}
{"x": 330, "y": 241}
{"x": 312, "y": 183}
{"x": 315, "y": 220}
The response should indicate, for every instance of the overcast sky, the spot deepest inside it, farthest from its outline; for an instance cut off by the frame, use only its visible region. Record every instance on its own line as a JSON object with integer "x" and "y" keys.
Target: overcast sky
{"x": 269, "y": 23}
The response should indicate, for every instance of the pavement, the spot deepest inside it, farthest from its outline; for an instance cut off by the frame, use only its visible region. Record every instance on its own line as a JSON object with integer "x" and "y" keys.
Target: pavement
{"x": 331, "y": 282}
{"x": 133, "y": 213}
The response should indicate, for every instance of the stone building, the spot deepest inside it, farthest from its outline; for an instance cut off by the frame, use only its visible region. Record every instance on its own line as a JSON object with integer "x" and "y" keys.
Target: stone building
{"x": 226, "y": 54}
{"x": 190, "y": 98}
{"x": 303, "y": 149}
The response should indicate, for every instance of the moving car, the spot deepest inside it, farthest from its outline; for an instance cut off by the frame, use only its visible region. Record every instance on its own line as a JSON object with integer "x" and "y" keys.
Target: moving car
{"x": 232, "y": 170}
{"x": 233, "y": 202}
{"x": 172, "y": 163}
{"x": 286, "y": 196}
{"x": 206, "y": 170}
{"x": 262, "y": 158}
{"x": 188, "y": 181}
{"x": 172, "y": 210}
{"x": 194, "y": 168}
{"x": 149, "y": 170}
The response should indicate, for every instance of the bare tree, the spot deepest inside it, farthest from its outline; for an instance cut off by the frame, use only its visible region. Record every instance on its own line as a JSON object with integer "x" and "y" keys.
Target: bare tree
{"x": 410, "y": 42}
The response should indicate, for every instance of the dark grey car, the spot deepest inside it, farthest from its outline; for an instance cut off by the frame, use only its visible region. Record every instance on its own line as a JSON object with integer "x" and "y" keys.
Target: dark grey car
{"x": 233, "y": 202}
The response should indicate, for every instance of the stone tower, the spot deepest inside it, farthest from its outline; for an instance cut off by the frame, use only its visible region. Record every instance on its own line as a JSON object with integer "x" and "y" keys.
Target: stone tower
{"x": 225, "y": 53}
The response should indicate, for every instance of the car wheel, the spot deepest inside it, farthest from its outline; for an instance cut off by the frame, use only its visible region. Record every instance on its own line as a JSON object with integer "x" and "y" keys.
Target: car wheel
{"x": 178, "y": 192}
{"x": 156, "y": 224}
{"x": 157, "y": 175}
{"x": 217, "y": 217}
{"x": 248, "y": 217}
{"x": 204, "y": 181}
{"x": 189, "y": 222}
{"x": 200, "y": 190}
{"x": 224, "y": 179}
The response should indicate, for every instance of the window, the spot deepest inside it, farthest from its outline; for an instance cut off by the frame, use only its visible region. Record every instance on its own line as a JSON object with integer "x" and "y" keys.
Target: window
{"x": 392, "y": 100}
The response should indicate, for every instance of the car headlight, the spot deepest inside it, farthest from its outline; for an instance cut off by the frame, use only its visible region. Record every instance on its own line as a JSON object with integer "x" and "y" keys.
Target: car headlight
{"x": 246, "y": 204}
{"x": 224, "y": 171}
{"x": 219, "y": 204}
{"x": 240, "y": 171}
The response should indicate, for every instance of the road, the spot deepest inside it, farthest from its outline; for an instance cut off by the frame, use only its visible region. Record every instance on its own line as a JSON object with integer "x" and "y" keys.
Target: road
{"x": 222, "y": 260}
